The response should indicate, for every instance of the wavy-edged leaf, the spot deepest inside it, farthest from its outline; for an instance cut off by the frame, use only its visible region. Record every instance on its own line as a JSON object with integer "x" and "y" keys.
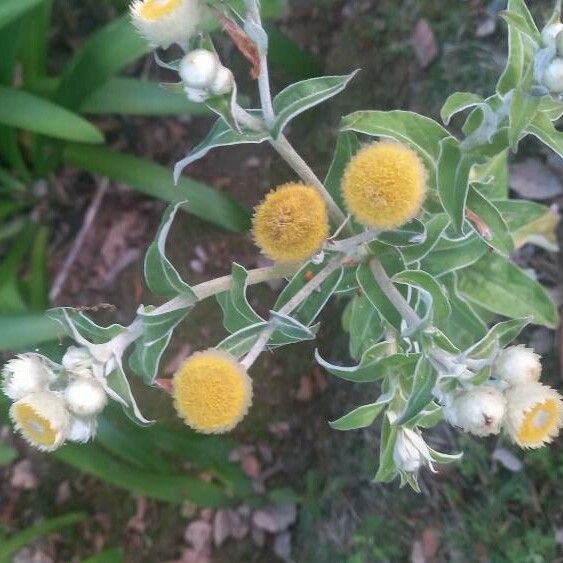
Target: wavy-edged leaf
{"x": 435, "y": 226}
{"x": 542, "y": 128}
{"x": 221, "y": 135}
{"x": 239, "y": 343}
{"x": 523, "y": 109}
{"x": 156, "y": 335}
{"x": 498, "y": 337}
{"x": 497, "y": 233}
{"x": 457, "y": 102}
{"x": 156, "y": 181}
{"x": 363, "y": 324}
{"x": 291, "y": 329}
{"x": 84, "y": 325}
{"x": 449, "y": 256}
{"x": 364, "y": 416}
{"x": 522, "y": 24}
{"x": 410, "y": 234}
{"x": 304, "y": 95}
{"x": 161, "y": 276}
{"x": 26, "y": 111}
{"x": 386, "y": 471}
{"x": 499, "y": 286}
{"x": 118, "y": 383}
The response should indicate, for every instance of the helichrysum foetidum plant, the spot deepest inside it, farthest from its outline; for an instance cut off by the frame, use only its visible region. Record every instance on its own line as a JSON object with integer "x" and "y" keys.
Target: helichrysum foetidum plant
{"x": 412, "y": 229}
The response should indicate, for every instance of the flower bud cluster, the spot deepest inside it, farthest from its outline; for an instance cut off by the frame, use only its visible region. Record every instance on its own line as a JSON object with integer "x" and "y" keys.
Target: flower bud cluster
{"x": 204, "y": 76}
{"x": 53, "y": 404}
{"x": 514, "y": 401}
{"x": 552, "y": 37}
{"x": 411, "y": 452}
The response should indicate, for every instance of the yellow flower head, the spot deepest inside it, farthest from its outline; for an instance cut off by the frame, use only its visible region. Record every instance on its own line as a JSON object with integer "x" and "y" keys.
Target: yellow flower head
{"x": 384, "y": 185}
{"x": 42, "y": 419}
{"x": 534, "y": 415}
{"x": 291, "y": 224}
{"x": 212, "y": 392}
{"x": 164, "y": 22}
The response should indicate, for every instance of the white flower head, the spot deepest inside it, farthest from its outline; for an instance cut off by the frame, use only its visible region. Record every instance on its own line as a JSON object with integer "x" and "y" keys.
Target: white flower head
{"x": 224, "y": 82}
{"x": 550, "y": 32}
{"x": 411, "y": 452}
{"x": 199, "y": 68}
{"x": 42, "y": 419}
{"x": 25, "y": 374}
{"x": 78, "y": 361}
{"x": 516, "y": 365}
{"x": 85, "y": 397}
{"x": 164, "y": 22}
{"x": 553, "y": 76}
{"x": 82, "y": 429}
{"x": 479, "y": 411}
{"x": 535, "y": 414}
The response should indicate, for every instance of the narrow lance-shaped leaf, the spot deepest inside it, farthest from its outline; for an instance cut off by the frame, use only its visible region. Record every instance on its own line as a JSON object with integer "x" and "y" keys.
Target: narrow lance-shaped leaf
{"x": 364, "y": 416}
{"x": 160, "y": 275}
{"x": 239, "y": 343}
{"x": 457, "y": 102}
{"x": 66, "y": 316}
{"x": 542, "y": 128}
{"x": 387, "y": 470}
{"x": 498, "y": 337}
{"x": 523, "y": 109}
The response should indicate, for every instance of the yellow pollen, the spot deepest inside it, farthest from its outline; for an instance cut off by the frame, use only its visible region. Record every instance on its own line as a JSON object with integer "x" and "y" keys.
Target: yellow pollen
{"x": 539, "y": 424}
{"x": 384, "y": 185}
{"x": 153, "y": 10}
{"x": 291, "y": 224}
{"x": 212, "y": 392}
{"x": 36, "y": 428}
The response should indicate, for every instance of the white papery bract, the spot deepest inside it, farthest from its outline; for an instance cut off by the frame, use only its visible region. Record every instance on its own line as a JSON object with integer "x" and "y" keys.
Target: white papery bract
{"x": 550, "y": 33}
{"x": 553, "y": 76}
{"x": 82, "y": 429}
{"x": 479, "y": 411}
{"x": 411, "y": 452}
{"x": 165, "y": 22}
{"x": 25, "y": 374}
{"x": 85, "y": 397}
{"x": 78, "y": 361}
{"x": 516, "y": 365}
{"x": 224, "y": 82}
{"x": 199, "y": 68}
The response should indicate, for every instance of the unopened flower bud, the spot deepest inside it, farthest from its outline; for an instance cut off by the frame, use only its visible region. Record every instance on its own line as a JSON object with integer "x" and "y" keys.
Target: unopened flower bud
{"x": 82, "y": 429}
{"x": 550, "y": 33}
{"x": 25, "y": 374}
{"x": 479, "y": 411}
{"x": 553, "y": 76}
{"x": 411, "y": 451}
{"x": 559, "y": 43}
{"x": 78, "y": 361}
{"x": 516, "y": 365}
{"x": 199, "y": 68}
{"x": 85, "y": 397}
{"x": 224, "y": 82}
{"x": 196, "y": 95}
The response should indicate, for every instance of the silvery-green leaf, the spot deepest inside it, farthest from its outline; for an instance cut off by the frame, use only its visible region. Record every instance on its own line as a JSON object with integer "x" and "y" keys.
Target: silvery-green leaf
{"x": 118, "y": 383}
{"x": 499, "y": 286}
{"x": 542, "y": 60}
{"x": 348, "y": 282}
{"x": 487, "y": 125}
{"x": 221, "y": 135}
{"x": 542, "y": 128}
{"x": 442, "y": 458}
{"x": 300, "y": 97}
{"x": 420, "y": 397}
{"x": 240, "y": 343}
{"x": 362, "y": 417}
{"x": 363, "y": 324}
{"x": 457, "y": 102}
{"x": 291, "y": 328}
{"x": 498, "y": 337}
{"x": 410, "y": 234}
{"x": 523, "y": 109}
{"x": 156, "y": 335}
{"x": 85, "y": 326}
{"x": 435, "y": 226}
{"x": 522, "y": 24}
{"x": 492, "y": 176}
{"x": 553, "y": 109}
{"x": 161, "y": 276}
{"x": 237, "y": 312}
{"x": 387, "y": 470}
{"x": 453, "y": 180}
{"x": 497, "y": 235}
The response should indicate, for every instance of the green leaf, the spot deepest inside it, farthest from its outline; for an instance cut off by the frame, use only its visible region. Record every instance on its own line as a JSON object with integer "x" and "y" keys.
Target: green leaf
{"x": 120, "y": 390}
{"x": 156, "y": 181}
{"x": 161, "y": 276}
{"x": 514, "y": 71}
{"x": 498, "y": 235}
{"x": 18, "y": 332}
{"x": 221, "y": 135}
{"x": 499, "y": 286}
{"x": 375, "y": 364}
{"x": 420, "y": 397}
{"x": 435, "y": 225}
{"x": 498, "y": 337}
{"x": 364, "y": 325}
{"x": 169, "y": 488}
{"x": 492, "y": 176}
{"x": 131, "y": 96}
{"x": 522, "y": 24}
{"x": 422, "y": 133}
{"x": 13, "y": 9}
{"x": 237, "y": 311}
{"x": 361, "y": 417}
{"x": 454, "y": 167}
{"x": 71, "y": 320}
{"x": 291, "y": 329}
{"x": 347, "y": 145}
{"x": 450, "y": 255}
{"x": 157, "y": 332}
{"x": 458, "y": 101}
{"x": 542, "y": 128}
{"x": 302, "y": 96}
{"x": 411, "y": 234}
{"x": 386, "y": 471}
{"x": 523, "y": 109}
{"x": 438, "y": 305}
{"x": 240, "y": 342}
{"x": 7, "y": 454}
{"x": 26, "y": 111}
{"x": 107, "y": 556}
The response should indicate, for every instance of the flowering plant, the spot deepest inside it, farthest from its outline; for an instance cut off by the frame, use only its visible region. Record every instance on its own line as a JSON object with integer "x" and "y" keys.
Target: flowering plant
{"x": 412, "y": 228}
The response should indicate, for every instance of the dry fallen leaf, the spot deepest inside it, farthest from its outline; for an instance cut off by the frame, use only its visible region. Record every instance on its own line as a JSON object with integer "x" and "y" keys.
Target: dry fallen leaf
{"x": 199, "y": 534}
{"x": 424, "y": 43}
{"x": 532, "y": 179}
{"x": 508, "y": 460}
{"x": 275, "y": 518}
{"x": 23, "y": 477}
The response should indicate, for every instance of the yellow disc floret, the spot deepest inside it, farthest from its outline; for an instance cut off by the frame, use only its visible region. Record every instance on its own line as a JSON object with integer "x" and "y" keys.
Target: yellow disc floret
{"x": 155, "y": 9}
{"x": 291, "y": 224}
{"x": 42, "y": 419}
{"x": 212, "y": 392}
{"x": 534, "y": 415}
{"x": 384, "y": 185}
